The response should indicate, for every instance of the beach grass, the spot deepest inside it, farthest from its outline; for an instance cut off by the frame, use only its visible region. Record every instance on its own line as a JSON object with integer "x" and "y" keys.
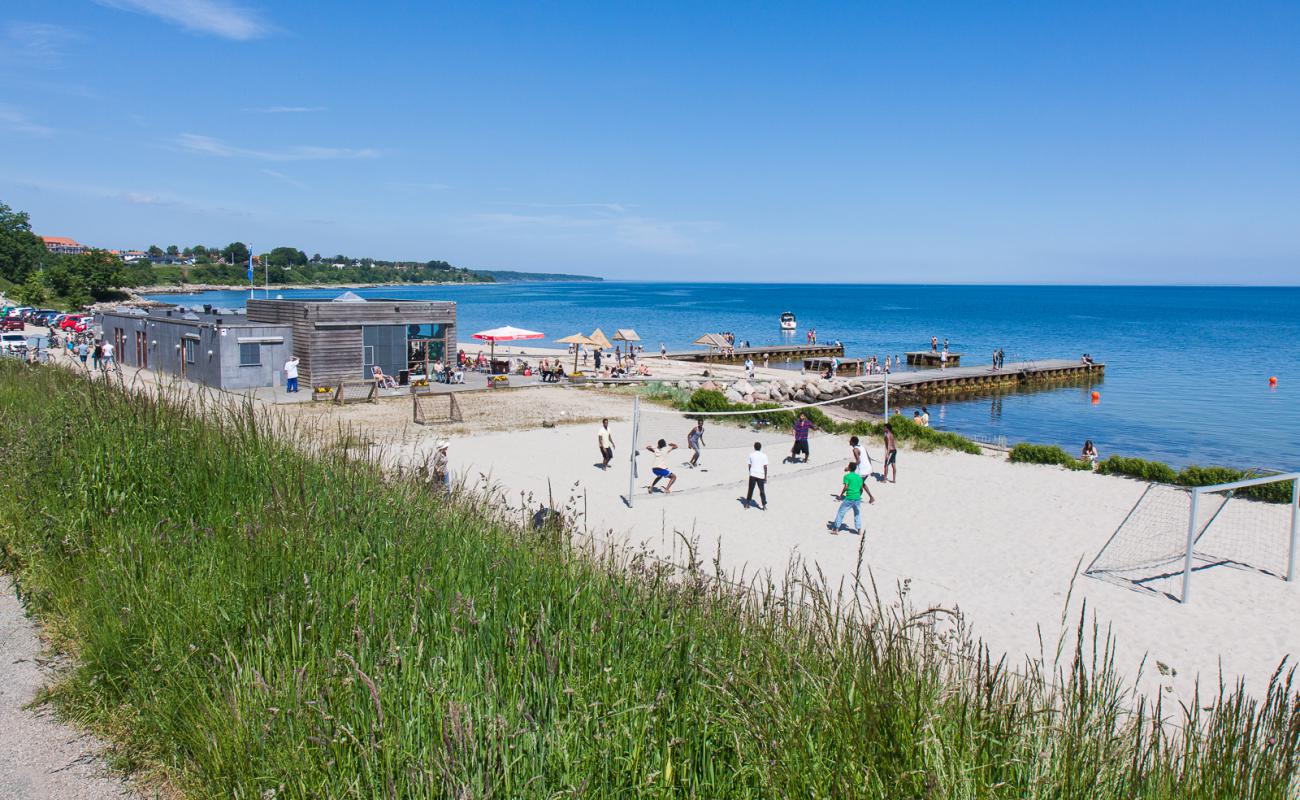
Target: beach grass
{"x": 251, "y": 618}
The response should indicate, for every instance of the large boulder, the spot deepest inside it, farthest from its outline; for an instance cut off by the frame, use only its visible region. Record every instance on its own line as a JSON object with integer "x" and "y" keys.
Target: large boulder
{"x": 825, "y": 387}
{"x": 733, "y": 396}
{"x": 743, "y": 386}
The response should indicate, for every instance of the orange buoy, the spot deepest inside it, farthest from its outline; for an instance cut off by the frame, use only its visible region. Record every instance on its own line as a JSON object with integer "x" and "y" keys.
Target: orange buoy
{"x": 1272, "y": 380}
{"x": 1096, "y": 397}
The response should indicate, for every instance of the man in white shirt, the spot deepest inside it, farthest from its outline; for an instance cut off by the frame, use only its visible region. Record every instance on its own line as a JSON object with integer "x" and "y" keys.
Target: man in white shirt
{"x": 757, "y": 476}
{"x": 106, "y": 356}
{"x": 605, "y": 441}
{"x": 291, "y": 374}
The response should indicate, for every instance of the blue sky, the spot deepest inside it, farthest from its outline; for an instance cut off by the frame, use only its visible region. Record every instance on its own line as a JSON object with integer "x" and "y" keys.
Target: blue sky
{"x": 903, "y": 141}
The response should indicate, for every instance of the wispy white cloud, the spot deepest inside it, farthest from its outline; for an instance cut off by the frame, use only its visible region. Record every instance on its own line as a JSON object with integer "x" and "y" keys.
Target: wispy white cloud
{"x": 216, "y": 17}
{"x": 145, "y": 199}
{"x": 287, "y": 179}
{"x": 13, "y": 119}
{"x": 419, "y": 186}
{"x": 286, "y": 110}
{"x": 40, "y": 43}
{"x": 207, "y": 145}
{"x": 610, "y": 221}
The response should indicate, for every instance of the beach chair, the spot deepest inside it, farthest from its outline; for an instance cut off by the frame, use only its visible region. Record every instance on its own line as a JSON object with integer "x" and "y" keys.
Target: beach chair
{"x": 381, "y": 380}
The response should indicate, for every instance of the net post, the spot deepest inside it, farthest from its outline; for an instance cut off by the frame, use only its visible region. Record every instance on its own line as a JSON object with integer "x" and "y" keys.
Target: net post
{"x": 1191, "y": 542}
{"x": 631, "y": 473}
{"x": 886, "y": 395}
{"x": 1295, "y": 528}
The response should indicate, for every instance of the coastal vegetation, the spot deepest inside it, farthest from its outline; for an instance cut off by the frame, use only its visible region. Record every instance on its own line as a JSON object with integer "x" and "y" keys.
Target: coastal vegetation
{"x": 1026, "y": 453}
{"x": 264, "y": 622}
{"x": 1160, "y": 472}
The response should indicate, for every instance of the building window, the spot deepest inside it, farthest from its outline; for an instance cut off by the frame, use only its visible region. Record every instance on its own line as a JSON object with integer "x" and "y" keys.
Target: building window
{"x": 189, "y": 347}
{"x": 250, "y": 355}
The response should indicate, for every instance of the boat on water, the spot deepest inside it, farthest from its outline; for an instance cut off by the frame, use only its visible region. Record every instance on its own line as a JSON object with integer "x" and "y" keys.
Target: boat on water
{"x": 788, "y": 322}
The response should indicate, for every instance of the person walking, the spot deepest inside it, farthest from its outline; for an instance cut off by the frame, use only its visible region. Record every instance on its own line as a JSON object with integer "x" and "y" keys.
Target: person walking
{"x": 695, "y": 440}
{"x": 106, "y": 356}
{"x": 605, "y": 441}
{"x": 861, "y": 463}
{"x": 801, "y": 428}
{"x": 749, "y": 367}
{"x": 660, "y": 469}
{"x": 83, "y": 352}
{"x": 891, "y": 455}
{"x": 850, "y": 498}
{"x": 757, "y": 476}
{"x": 943, "y": 357}
{"x": 291, "y": 374}
{"x": 97, "y": 355}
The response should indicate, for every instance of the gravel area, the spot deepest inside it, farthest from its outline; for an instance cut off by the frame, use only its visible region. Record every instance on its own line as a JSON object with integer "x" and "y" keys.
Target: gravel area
{"x": 41, "y": 758}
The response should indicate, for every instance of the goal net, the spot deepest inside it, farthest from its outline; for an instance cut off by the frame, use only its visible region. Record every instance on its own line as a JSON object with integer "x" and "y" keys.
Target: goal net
{"x": 428, "y": 408}
{"x": 1173, "y": 534}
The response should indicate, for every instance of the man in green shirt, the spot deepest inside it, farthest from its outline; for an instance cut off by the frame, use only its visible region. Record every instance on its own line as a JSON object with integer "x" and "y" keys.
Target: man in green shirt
{"x": 850, "y": 497}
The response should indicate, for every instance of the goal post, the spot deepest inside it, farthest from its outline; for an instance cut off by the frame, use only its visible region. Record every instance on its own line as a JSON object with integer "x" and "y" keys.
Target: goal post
{"x": 430, "y": 407}
{"x": 1195, "y": 531}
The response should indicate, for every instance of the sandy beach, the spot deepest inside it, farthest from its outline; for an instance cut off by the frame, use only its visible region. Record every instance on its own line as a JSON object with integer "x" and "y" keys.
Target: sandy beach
{"x": 1004, "y": 544}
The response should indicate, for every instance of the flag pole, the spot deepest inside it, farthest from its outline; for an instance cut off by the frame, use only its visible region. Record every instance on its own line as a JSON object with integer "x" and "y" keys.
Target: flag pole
{"x": 250, "y": 274}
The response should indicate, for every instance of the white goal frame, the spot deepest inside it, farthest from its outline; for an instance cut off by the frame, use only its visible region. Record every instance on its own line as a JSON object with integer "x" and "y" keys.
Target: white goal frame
{"x": 1194, "y": 530}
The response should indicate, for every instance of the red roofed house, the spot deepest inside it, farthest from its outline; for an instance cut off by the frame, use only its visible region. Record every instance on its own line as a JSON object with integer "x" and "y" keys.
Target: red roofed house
{"x": 64, "y": 245}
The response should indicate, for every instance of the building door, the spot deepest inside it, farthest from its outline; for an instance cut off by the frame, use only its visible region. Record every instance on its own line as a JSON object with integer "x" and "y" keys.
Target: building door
{"x": 142, "y": 349}
{"x": 119, "y": 344}
{"x": 189, "y": 348}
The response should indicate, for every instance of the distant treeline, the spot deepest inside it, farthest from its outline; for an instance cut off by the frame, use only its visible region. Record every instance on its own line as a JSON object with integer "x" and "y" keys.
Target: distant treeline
{"x": 505, "y": 275}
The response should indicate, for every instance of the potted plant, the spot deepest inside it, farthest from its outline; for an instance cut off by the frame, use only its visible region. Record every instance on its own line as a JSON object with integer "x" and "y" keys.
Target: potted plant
{"x": 498, "y": 381}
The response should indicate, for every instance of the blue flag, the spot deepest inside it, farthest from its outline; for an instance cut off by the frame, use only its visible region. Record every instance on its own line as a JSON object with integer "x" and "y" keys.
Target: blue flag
{"x": 250, "y": 265}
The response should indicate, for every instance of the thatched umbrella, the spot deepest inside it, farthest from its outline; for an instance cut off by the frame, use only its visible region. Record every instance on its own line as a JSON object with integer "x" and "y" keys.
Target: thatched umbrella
{"x": 712, "y": 340}
{"x": 598, "y": 339}
{"x": 626, "y": 335}
{"x": 576, "y": 339}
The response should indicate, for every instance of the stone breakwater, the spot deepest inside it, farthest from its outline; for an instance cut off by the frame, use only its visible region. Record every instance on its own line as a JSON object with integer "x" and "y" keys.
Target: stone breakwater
{"x": 797, "y": 389}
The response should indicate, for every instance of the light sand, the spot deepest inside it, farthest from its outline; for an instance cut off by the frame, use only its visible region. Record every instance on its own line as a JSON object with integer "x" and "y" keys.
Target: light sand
{"x": 1001, "y": 542}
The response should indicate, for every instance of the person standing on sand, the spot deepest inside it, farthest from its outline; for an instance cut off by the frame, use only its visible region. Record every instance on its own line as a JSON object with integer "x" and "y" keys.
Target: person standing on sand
{"x": 861, "y": 463}
{"x": 660, "y": 469}
{"x": 605, "y": 441}
{"x": 891, "y": 455}
{"x": 801, "y": 428}
{"x": 438, "y": 465}
{"x": 695, "y": 440}
{"x": 749, "y": 367}
{"x": 97, "y": 355}
{"x": 850, "y": 498}
{"x": 291, "y": 374}
{"x": 106, "y": 357}
{"x": 757, "y": 476}
{"x": 83, "y": 352}
{"x": 663, "y": 351}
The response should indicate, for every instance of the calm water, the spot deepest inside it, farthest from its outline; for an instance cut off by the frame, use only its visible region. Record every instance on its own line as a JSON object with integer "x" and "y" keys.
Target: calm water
{"x": 1186, "y": 367}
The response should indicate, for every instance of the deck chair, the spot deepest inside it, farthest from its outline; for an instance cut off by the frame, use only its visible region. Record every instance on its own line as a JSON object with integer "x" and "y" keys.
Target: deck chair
{"x": 381, "y": 380}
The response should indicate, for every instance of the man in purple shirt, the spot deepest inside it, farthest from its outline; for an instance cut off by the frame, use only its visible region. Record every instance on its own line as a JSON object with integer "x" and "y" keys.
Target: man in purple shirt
{"x": 801, "y": 428}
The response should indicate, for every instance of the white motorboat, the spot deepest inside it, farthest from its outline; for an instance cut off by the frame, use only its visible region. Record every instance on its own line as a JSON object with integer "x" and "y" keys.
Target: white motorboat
{"x": 788, "y": 322}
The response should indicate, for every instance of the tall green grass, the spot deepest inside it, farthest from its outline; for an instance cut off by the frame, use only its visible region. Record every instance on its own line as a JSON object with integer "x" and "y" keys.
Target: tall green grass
{"x": 257, "y": 622}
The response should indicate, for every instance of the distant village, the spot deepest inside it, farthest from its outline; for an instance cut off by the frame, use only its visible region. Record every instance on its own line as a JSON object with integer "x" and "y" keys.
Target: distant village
{"x": 190, "y": 256}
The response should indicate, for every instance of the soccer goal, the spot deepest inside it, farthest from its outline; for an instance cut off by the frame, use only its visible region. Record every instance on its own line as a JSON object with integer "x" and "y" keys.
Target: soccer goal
{"x": 429, "y": 407}
{"x": 1173, "y": 533}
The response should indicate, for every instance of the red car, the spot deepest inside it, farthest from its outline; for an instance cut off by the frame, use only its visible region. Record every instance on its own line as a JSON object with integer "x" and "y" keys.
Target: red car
{"x": 11, "y": 324}
{"x": 70, "y": 323}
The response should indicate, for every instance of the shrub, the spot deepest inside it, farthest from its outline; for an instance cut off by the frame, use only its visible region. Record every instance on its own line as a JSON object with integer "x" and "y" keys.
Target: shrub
{"x": 1194, "y": 475}
{"x": 1152, "y": 471}
{"x": 1025, "y": 453}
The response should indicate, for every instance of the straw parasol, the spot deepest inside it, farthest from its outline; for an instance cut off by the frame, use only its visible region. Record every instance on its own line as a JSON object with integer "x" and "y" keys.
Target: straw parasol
{"x": 598, "y": 339}
{"x": 506, "y": 334}
{"x": 626, "y": 335}
{"x": 577, "y": 339}
{"x": 712, "y": 340}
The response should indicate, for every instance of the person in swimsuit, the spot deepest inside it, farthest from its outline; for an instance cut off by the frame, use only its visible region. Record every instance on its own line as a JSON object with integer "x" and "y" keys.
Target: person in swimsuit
{"x": 661, "y": 471}
{"x": 891, "y": 455}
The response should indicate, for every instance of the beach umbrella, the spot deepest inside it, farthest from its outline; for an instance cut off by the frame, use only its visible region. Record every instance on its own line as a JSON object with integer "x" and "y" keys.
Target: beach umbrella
{"x": 506, "y": 334}
{"x": 712, "y": 340}
{"x": 626, "y": 335}
{"x": 598, "y": 339}
{"x": 576, "y": 339}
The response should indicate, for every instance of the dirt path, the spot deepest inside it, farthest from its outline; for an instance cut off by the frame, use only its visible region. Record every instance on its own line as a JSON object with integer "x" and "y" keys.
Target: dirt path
{"x": 40, "y": 757}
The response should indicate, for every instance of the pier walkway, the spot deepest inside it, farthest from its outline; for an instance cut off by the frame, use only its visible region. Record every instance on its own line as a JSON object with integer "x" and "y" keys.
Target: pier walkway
{"x": 774, "y": 354}
{"x": 931, "y": 382}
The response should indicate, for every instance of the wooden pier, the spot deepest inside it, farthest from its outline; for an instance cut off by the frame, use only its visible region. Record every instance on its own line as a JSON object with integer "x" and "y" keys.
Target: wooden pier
{"x": 772, "y": 354}
{"x": 848, "y": 366}
{"x": 932, "y": 358}
{"x": 922, "y": 384}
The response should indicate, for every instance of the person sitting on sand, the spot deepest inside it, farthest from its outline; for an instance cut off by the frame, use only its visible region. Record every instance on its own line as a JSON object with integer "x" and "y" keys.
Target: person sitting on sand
{"x": 660, "y": 469}
{"x": 1089, "y": 453}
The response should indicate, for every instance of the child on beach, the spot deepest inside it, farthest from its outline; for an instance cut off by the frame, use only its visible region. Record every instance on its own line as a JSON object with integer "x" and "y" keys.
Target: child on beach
{"x": 660, "y": 469}
{"x": 695, "y": 440}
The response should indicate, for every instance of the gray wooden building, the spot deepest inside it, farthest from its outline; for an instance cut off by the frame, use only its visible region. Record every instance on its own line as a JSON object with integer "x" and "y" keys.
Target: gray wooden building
{"x": 219, "y": 348}
{"x": 344, "y": 339}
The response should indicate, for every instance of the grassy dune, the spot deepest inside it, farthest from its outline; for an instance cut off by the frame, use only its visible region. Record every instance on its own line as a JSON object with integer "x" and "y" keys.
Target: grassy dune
{"x": 253, "y": 622}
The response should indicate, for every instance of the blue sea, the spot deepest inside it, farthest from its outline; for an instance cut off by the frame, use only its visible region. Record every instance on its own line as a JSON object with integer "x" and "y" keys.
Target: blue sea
{"x": 1187, "y": 368}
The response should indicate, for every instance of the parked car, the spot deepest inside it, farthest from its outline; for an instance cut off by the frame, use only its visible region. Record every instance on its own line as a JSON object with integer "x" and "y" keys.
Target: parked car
{"x": 13, "y": 341}
{"x": 69, "y": 322}
{"x": 11, "y": 324}
{"x": 84, "y": 324}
